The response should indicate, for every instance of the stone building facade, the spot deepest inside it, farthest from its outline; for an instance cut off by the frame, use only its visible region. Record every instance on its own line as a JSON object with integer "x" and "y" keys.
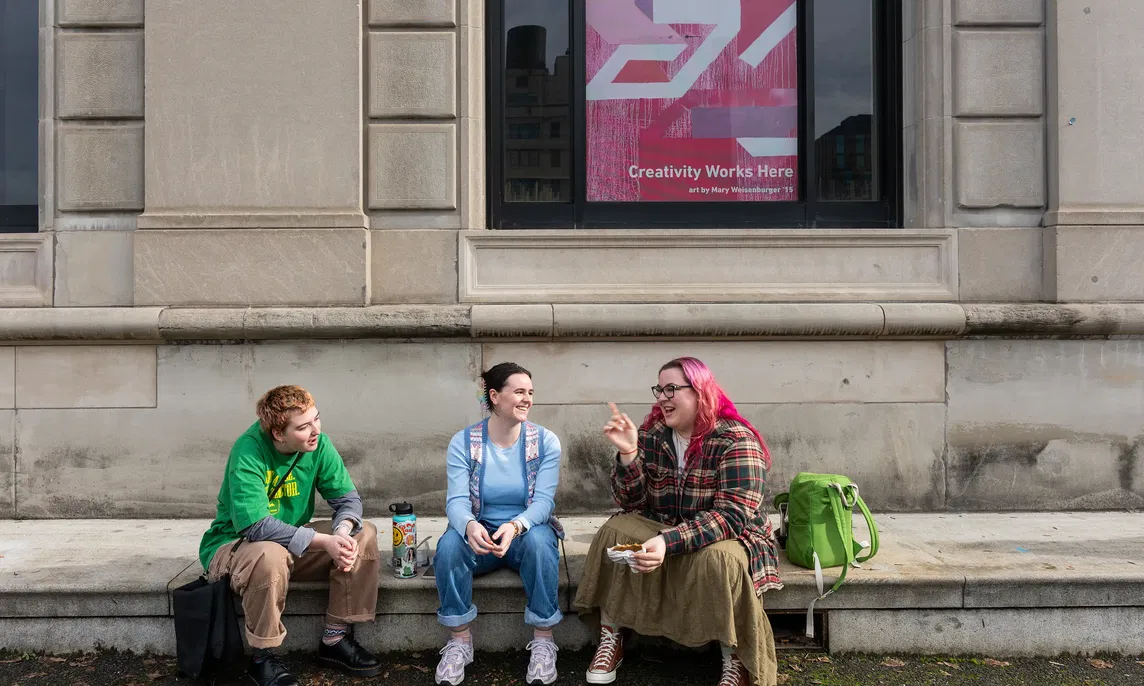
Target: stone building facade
{"x": 233, "y": 195}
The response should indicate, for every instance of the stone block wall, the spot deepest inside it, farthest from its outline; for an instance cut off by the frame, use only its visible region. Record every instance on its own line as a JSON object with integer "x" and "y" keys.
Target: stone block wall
{"x": 144, "y": 431}
{"x": 93, "y": 136}
{"x": 240, "y": 194}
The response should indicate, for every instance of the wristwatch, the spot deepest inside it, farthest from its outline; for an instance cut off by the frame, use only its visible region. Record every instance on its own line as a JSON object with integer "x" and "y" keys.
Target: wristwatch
{"x": 518, "y": 527}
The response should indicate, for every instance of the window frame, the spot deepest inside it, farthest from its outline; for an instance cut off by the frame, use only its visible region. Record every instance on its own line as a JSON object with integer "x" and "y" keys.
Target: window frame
{"x": 25, "y": 218}
{"x": 810, "y": 212}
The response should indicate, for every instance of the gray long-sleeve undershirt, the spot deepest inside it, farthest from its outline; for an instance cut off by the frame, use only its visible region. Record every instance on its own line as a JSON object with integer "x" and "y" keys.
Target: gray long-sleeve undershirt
{"x": 297, "y": 539}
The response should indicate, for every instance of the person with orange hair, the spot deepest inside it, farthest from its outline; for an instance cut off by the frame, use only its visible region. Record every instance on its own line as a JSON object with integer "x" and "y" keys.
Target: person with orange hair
{"x": 263, "y": 538}
{"x": 690, "y": 480}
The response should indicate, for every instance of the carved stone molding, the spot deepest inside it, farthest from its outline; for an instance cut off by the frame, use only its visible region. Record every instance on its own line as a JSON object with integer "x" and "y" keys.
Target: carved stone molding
{"x": 26, "y": 270}
{"x": 795, "y": 265}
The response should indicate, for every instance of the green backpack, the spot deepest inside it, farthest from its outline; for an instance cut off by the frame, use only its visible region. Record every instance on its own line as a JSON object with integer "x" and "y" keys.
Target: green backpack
{"x": 816, "y": 528}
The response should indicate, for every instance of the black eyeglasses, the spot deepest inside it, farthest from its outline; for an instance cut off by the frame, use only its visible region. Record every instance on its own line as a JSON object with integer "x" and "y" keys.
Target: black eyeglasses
{"x": 667, "y": 391}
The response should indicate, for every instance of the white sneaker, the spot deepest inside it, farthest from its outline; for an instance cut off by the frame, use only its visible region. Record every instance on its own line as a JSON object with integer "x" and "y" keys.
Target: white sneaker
{"x": 455, "y": 656}
{"x": 542, "y": 663}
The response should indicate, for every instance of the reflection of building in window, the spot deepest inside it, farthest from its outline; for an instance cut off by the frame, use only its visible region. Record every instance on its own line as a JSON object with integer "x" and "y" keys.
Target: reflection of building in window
{"x": 537, "y": 111}
{"x": 19, "y": 116}
{"x": 845, "y": 170}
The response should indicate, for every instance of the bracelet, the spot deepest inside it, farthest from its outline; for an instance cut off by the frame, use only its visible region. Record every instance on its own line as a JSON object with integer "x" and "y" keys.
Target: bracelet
{"x": 630, "y": 453}
{"x": 518, "y": 527}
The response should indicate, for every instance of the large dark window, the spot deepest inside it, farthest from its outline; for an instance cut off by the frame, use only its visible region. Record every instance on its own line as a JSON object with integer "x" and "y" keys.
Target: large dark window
{"x": 712, "y": 113}
{"x": 19, "y": 114}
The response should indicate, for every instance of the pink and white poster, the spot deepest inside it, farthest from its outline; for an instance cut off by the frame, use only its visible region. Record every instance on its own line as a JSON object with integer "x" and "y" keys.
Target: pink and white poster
{"x": 692, "y": 100}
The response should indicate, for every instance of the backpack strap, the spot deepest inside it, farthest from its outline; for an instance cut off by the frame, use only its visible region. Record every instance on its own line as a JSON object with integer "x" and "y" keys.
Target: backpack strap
{"x": 842, "y": 510}
{"x": 476, "y": 455}
{"x": 869, "y": 525}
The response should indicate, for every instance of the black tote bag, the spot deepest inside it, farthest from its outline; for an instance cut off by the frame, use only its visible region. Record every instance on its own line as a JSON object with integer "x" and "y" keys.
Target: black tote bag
{"x": 207, "y": 638}
{"x": 207, "y": 633}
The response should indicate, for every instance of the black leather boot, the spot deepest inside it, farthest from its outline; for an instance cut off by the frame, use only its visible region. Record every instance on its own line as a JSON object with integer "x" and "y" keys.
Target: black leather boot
{"x": 270, "y": 671}
{"x": 349, "y": 657}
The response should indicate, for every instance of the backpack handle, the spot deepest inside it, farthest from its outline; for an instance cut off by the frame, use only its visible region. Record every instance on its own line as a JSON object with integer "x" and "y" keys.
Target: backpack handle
{"x": 869, "y": 525}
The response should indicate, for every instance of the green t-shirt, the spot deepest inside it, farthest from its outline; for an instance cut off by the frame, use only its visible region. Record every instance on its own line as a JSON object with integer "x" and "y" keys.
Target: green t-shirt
{"x": 254, "y": 462}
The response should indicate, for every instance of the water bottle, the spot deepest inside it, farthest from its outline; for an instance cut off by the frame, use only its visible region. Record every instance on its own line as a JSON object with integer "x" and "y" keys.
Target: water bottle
{"x": 404, "y": 541}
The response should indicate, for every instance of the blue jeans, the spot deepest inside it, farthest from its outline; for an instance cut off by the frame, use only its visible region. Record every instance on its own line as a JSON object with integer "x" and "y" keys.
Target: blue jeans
{"x": 535, "y": 555}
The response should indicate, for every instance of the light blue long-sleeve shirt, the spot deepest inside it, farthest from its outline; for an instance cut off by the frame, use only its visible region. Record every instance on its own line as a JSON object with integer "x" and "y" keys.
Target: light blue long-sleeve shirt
{"x": 504, "y": 488}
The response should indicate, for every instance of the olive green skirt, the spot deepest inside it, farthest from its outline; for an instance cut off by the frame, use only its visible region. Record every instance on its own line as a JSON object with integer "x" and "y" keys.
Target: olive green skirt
{"x": 692, "y": 599}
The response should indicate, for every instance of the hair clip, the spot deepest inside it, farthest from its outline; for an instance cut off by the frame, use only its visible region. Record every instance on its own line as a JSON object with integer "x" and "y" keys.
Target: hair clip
{"x": 482, "y": 395}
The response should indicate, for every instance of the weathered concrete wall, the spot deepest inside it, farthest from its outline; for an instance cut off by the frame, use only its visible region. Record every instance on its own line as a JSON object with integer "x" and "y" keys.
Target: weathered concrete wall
{"x": 1046, "y": 424}
{"x": 143, "y": 431}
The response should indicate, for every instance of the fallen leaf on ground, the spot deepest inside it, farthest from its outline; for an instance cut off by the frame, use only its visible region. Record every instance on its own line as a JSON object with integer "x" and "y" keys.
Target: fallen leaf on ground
{"x": 784, "y": 678}
{"x": 995, "y": 663}
{"x": 55, "y": 659}
{"x": 1100, "y": 664}
{"x": 893, "y": 662}
{"x": 13, "y": 660}
{"x": 949, "y": 664}
{"x": 822, "y": 658}
{"x": 419, "y": 668}
{"x": 945, "y": 673}
{"x": 148, "y": 661}
{"x": 1057, "y": 664}
{"x": 796, "y": 668}
{"x": 155, "y": 676}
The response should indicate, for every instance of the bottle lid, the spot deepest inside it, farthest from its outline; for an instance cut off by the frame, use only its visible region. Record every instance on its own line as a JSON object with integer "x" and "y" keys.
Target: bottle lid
{"x": 401, "y": 508}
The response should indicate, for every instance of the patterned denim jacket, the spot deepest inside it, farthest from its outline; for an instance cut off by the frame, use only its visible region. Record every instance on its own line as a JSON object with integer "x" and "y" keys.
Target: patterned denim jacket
{"x": 477, "y": 434}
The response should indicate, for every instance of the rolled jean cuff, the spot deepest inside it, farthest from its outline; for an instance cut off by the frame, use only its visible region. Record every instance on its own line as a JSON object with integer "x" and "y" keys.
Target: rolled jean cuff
{"x": 531, "y": 619}
{"x": 454, "y": 621}
{"x": 255, "y": 641}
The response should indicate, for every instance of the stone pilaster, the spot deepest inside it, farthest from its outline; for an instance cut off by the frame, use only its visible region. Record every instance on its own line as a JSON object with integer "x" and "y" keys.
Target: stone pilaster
{"x": 254, "y": 154}
{"x": 1094, "y": 229}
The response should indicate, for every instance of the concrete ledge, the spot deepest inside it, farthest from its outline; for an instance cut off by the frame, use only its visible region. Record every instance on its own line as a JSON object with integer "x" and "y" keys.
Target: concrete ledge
{"x": 682, "y": 320}
{"x": 1041, "y": 632}
{"x": 718, "y": 320}
{"x": 1065, "y": 320}
{"x": 942, "y": 583}
{"x": 80, "y": 324}
{"x": 396, "y": 321}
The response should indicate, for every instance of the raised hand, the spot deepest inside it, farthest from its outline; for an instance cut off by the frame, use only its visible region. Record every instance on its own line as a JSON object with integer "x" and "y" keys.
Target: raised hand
{"x": 622, "y": 432}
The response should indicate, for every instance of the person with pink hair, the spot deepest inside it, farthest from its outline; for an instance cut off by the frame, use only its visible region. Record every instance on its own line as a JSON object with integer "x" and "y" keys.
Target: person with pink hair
{"x": 690, "y": 480}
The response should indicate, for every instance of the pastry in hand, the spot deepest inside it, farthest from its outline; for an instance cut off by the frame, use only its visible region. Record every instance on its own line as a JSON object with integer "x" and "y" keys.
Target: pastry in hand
{"x": 634, "y": 547}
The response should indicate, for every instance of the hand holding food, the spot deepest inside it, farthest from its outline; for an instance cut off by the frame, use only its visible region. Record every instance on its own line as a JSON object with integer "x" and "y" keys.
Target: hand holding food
{"x": 652, "y": 557}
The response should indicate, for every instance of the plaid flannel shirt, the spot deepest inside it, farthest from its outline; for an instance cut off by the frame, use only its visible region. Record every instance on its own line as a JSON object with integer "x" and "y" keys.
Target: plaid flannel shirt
{"x": 720, "y": 498}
